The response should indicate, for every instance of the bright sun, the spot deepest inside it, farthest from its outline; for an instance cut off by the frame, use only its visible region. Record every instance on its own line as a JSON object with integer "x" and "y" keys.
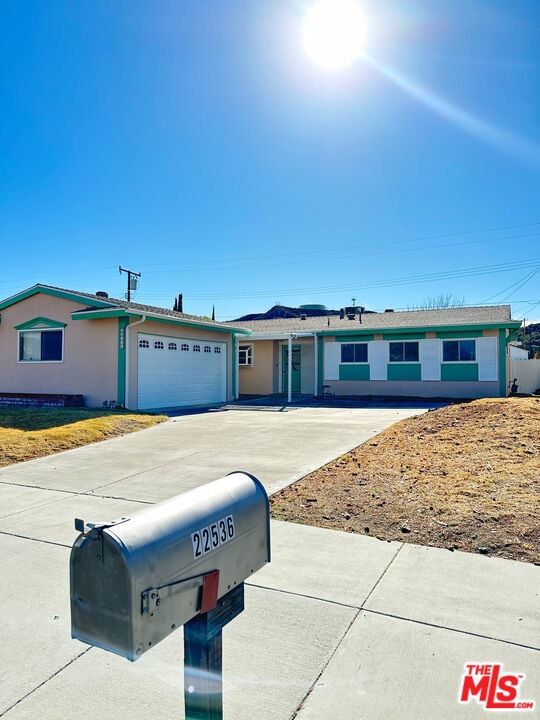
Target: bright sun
{"x": 334, "y": 32}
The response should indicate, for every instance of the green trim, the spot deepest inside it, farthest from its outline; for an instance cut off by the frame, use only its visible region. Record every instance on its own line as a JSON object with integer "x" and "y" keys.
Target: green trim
{"x": 425, "y": 329}
{"x": 396, "y": 335}
{"x": 40, "y": 323}
{"x": 122, "y": 340}
{"x": 363, "y": 335}
{"x": 65, "y": 294}
{"x": 404, "y": 371}
{"x": 296, "y": 382}
{"x": 502, "y": 363}
{"x": 123, "y": 312}
{"x": 235, "y": 394}
{"x": 460, "y": 334}
{"x": 459, "y": 372}
{"x": 101, "y": 314}
{"x": 359, "y": 338}
{"x": 354, "y": 372}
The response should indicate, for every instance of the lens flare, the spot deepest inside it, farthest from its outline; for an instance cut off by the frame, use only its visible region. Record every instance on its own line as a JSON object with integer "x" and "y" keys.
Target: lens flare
{"x": 333, "y": 33}
{"x": 503, "y": 140}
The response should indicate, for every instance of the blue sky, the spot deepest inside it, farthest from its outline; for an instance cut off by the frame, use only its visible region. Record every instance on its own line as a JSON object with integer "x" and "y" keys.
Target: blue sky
{"x": 194, "y": 142}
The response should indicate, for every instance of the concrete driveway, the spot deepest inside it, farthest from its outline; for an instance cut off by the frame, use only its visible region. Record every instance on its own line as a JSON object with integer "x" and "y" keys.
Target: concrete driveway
{"x": 337, "y": 625}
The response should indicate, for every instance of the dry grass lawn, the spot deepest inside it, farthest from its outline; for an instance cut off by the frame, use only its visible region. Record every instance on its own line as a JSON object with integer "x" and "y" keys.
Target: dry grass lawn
{"x": 35, "y": 432}
{"x": 462, "y": 477}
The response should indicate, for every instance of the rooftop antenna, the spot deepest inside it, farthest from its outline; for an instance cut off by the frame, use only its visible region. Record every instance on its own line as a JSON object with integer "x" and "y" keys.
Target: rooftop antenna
{"x": 131, "y": 280}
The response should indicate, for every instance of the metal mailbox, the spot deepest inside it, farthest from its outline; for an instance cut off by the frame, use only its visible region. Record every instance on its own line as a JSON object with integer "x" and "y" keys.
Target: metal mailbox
{"x": 135, "y": 580}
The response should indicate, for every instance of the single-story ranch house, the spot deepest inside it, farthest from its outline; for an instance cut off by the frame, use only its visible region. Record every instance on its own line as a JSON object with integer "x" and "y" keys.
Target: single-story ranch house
{"x": 449, "y": 353}
{"x": 107, "y": 351}
{"x": 63, "y": 342}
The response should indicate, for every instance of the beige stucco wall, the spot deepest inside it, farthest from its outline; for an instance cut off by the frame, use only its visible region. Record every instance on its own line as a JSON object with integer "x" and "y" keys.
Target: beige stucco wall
{"x": 154, "y": 327}
{"x": 90, "y": 360}
{"x": 265, "y": 377}
{"x": 258, "y": 379}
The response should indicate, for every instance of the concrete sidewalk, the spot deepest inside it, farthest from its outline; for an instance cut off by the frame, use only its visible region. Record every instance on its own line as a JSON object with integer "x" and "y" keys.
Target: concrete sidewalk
{"x": 337, "y": 626}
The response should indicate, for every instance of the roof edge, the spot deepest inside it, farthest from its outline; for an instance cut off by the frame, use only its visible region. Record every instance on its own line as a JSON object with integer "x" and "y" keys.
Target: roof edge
{"x": 55, "y": 292}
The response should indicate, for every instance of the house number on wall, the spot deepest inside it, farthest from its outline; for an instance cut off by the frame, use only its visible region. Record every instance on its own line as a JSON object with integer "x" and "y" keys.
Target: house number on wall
{"x": 209, "y": 538}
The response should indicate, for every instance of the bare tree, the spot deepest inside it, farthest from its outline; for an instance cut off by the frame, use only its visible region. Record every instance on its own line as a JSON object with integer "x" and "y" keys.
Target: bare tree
{"x": 440, "y": 302}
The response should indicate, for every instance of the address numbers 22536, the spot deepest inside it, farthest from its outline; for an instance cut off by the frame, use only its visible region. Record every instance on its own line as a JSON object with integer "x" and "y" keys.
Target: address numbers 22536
{"x": 209, "y": 538}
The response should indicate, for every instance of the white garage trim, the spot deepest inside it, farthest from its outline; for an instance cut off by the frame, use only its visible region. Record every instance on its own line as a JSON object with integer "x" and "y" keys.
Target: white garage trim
{"x": 178, "y": 371}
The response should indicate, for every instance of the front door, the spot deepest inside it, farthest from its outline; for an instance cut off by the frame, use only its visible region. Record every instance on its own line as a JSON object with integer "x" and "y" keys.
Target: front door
{"x": 296, "y": 377}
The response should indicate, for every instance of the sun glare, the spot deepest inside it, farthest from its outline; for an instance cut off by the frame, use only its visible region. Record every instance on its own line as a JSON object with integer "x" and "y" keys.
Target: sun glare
{"x": 333, "y": 33}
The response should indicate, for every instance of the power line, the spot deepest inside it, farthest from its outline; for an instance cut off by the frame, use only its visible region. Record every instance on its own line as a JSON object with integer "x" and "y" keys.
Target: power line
{"x": 302, "y": 254}
{"x": 410, "y": 280}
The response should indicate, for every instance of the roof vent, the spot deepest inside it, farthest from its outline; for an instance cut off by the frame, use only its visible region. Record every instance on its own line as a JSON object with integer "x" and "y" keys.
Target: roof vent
{"x": 354, "y": 311}
{"x": 389, "y": 310}
{"x": 102, "y": 293}
{"x": 303, "y": 316}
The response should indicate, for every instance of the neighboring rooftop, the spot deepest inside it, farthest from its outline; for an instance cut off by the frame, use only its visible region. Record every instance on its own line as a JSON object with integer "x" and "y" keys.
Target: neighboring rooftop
{"x": 282, "y": 311}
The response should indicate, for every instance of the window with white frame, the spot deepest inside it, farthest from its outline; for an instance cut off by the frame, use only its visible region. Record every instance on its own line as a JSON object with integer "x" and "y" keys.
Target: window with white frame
{"x": 404, "y": 351}
{"x": 459, "y": 350}
{"x": 172, "y": 346}
{"x": 354, "y": 352}
{"x": 41, "y": 345}
{"x": 184, "y": 347}
{"x": 245, "y": 355}
{"x": 196, "y": 348}
{"x": 144, "y": 344}
{"x": 217, "y": 349}
{"x": 207, "y": 349}
{"x": 158, "y": 345}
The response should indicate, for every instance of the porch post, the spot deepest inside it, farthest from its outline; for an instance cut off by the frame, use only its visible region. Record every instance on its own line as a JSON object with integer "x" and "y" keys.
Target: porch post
{"x": 316, "y": 379}
{"x": 235, "y": 374}
{"x": 289, "y": 372}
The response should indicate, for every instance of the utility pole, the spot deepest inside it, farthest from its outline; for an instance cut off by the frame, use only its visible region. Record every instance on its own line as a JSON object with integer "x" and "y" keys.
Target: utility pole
{"x": 131, "y": 281}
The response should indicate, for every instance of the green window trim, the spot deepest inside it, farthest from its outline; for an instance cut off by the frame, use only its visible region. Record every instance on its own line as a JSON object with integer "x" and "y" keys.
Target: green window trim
{"x": 404, "y": 372}
{"x": 354, "y": 372}
{"x": 457, "y": 334}
{"x": 354, "y": 338}
{"x": 459, "y": 372}
{"x": 41, "y": 323}
{"x": 400, "y": 336}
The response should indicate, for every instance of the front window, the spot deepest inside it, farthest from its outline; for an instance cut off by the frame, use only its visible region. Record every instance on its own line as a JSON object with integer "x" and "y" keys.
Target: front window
{"x": 245, "y": 355}
{"x": 404, "y": 352}
{"x": 354, "y": 353}
{"x": 459, "y": 350}
{"x": 41, "y": 345}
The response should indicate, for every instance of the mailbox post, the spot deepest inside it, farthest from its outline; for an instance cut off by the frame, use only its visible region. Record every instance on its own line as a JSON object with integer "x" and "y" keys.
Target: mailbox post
{"x": 203, "y": 696}
{"x": 180, "y": 562}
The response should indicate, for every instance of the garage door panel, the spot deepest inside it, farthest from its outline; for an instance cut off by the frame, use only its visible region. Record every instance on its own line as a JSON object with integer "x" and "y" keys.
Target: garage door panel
{"x": 175, "y": 372}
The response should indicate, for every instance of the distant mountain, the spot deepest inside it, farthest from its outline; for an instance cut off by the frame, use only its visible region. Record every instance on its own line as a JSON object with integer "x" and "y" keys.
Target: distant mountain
{"x": 282, "y": 311}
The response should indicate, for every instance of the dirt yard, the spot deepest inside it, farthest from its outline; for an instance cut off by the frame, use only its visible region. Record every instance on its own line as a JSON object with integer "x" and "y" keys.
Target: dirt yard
{"x": 463, "y": 477}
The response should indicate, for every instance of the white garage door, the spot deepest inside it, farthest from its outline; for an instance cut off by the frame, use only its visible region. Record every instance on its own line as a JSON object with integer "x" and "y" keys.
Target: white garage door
{"x": 173, "y": 372}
